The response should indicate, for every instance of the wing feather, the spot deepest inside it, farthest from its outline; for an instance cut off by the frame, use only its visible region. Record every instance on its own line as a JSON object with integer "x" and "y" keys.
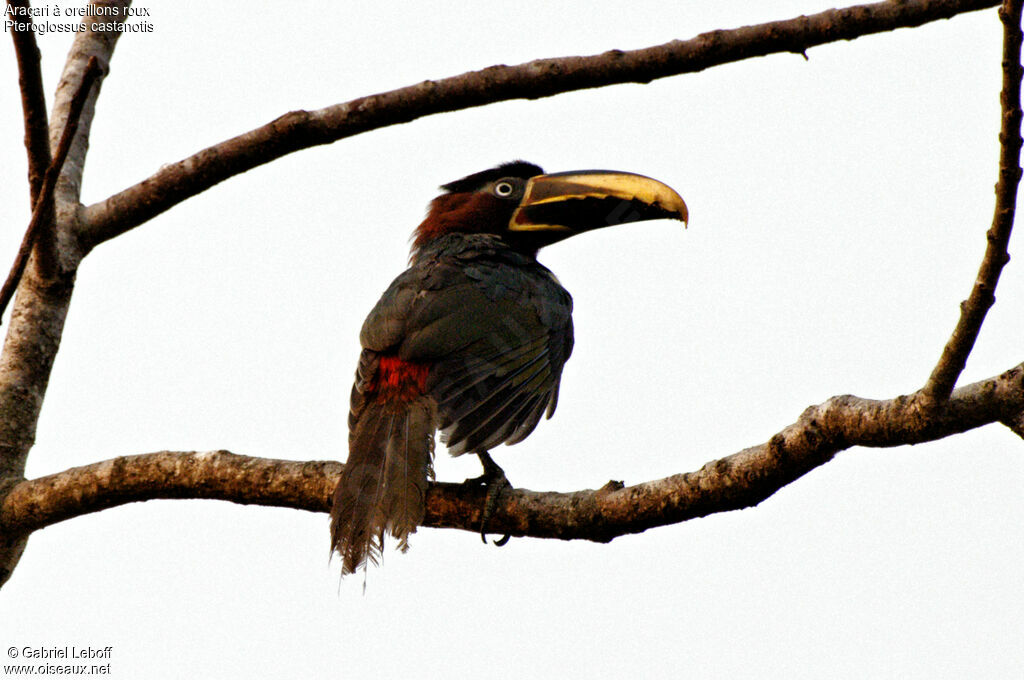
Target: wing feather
{"x": 496, "y": 328}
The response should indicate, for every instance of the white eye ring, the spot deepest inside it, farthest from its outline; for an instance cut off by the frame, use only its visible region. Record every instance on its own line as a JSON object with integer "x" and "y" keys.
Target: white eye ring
{"x": 504, "y": 189}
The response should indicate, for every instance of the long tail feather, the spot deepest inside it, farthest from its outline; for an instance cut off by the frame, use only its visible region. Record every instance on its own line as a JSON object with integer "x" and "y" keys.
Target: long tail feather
{"x": 384, "y": 484}
{"x": 410, "y": 454}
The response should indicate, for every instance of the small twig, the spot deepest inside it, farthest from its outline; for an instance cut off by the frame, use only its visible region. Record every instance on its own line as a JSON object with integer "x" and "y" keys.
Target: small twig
{"x": 973, "y": 310}
{"x": 33, "y": 101}
{"x": 43, "y": 210}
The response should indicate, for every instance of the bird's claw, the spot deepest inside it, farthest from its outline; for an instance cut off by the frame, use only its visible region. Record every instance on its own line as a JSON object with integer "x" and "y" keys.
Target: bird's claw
{"x": 495, "y": 487}
{"x": 496, "y": 482}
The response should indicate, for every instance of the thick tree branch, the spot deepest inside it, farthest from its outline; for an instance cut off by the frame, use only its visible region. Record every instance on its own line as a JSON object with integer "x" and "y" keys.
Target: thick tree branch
{"x": 33, "y": 337}
{"x": 33, "y": 102}
{"x": 975, "y": 307}
{"x": 741, "y": 480}
{"x": 41, "y": 305}
{"x": 297, "y": 130}
{"x": 219, "y": 475}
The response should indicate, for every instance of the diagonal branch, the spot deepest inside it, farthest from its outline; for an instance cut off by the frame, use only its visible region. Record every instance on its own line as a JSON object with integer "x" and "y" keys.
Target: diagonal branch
{"x": 741, "y": 480}
{"x": 975, "y": 307}
{"x": 297, "y": 130}
{"x": 42, "y": 213}
{"x": 33, "y": 101}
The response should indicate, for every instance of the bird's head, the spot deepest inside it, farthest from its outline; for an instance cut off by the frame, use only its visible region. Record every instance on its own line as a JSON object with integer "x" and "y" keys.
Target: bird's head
{"x": 530, "y": 210}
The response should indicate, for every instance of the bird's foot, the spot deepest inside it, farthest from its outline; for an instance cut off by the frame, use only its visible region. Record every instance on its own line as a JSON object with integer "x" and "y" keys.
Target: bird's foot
{"x": 496, "y": 482}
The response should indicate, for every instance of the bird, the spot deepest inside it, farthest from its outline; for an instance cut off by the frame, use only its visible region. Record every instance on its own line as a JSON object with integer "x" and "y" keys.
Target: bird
{"x": 470, "y": 340}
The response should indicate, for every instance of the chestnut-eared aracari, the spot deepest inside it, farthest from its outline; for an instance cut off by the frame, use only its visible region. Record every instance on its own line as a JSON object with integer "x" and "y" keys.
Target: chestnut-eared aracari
{"x": 470, "y": 339}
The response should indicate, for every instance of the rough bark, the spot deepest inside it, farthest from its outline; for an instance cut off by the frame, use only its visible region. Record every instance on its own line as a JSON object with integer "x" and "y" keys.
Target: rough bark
{"x": 33, "y": 338}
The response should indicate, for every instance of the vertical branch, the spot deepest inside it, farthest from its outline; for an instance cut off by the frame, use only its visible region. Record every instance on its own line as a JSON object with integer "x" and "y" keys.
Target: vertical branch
{"x": 41, "y": 306}
{"x": 33, "y": 102}
{"x": 973, "y": 310}
{"x": 87, "y": 44}
{"x": 42, "y": 212}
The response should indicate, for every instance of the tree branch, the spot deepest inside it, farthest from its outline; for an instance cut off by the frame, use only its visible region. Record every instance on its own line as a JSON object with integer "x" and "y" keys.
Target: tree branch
{"x": 219, "y": 475}
{"x": 87, "y": 44}
{"x": 297, "y": 130}
{"x": 41, "y": 306}
{"x": 33, "y": 102}
{"x": 1016, "y": 424}
{"x": 741, "y": 480}
{"x": 42, "y": 213}
{"x": 975, "y": 307}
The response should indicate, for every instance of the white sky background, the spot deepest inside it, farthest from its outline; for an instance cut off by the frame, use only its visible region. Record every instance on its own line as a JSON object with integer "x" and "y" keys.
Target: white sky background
{"x": 838, "y": 209}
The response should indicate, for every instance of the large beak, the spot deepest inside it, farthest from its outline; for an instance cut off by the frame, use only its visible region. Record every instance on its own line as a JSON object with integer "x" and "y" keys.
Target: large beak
{"x": 566, "y": 203}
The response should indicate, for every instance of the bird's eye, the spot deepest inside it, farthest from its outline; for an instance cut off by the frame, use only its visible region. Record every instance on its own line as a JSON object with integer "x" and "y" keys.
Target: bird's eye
{"x": 504, "y": 189}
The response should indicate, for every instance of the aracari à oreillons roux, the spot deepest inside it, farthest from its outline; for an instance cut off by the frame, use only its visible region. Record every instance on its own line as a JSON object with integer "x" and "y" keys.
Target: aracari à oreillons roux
{"x": 470, "y": 339}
